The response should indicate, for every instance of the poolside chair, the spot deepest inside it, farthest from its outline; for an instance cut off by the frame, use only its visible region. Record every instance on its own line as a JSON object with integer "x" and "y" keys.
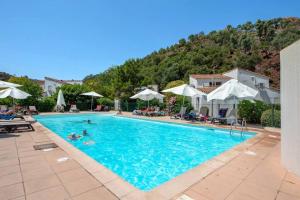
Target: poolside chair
{"x": 203, "y": 114}
{"x": 192, "y": 115}
{"x": 98, "y": 108}
{"x": 73, "y": 108}
{"x": 14, "y": 125}
{"x": 7, "y": 116}
{"x": 221, "y": 118}
{"x": 179, "y": 115}
{"x": 32, "y": 110}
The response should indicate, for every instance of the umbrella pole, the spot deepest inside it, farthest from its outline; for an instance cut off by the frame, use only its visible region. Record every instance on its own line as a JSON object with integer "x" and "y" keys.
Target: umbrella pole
{"x": 235, "y": 109}
{"x": 148, "y": 104}
{"x": 92, "y": 104}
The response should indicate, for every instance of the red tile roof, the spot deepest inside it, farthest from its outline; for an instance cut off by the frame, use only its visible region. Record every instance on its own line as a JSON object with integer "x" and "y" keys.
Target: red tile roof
{"x": 207, "y": 89}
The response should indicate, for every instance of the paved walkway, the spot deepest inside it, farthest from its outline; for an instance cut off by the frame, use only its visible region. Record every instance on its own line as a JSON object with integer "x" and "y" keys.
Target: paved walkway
{"x": 256, "y": 174}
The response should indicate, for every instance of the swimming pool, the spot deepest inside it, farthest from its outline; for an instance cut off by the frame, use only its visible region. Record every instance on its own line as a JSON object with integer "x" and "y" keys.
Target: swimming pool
{"x": 144, "y": 153}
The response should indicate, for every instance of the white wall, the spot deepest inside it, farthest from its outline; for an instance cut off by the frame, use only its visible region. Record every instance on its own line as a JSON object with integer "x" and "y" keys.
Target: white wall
{"x": 290, "y": 107}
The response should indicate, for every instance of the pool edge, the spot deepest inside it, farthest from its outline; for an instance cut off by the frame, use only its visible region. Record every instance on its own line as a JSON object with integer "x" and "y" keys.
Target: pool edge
{"x": 167, "y": 190}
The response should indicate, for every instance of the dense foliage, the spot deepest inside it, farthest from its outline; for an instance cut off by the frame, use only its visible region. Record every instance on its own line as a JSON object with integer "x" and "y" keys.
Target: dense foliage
{"x": 268, "y": 118}
{"x": 252, "y": 111}
{"x": 4, "y": 76}
{"x": 253, "y": 46}
{"x": 29, "y": 86}
{"x": 105, "y": 101}
{"x": 46, "y": 104}
{"x": 72, "y": 95}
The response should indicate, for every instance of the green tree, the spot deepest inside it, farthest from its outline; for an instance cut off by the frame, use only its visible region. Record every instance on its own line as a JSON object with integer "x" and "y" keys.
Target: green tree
{"x": 29, "y": 86}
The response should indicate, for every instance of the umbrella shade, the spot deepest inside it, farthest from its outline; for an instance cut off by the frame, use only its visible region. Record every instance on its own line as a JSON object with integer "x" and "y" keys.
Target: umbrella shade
{"x": 93, "y": 94}
{"x": 184, "y": 90}
{"x": 60, "y": 99}
{"x": 147, "y": 95}
{"x": 4, "y": 84}
{"x": 232, "y": 88}
{"x": 14, "y": 93}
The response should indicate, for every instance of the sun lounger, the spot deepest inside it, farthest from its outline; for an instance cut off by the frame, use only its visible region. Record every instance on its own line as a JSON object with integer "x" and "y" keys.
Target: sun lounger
{"x": 179, "y": 115}
{"x": 98, "y": 108}
{"x": 73, "y": 108}
{"x": 221, "y": 118}
{"x": 7, "y": 117}
{"x": 13, "y": 125}
{"x": 33, "y": 110}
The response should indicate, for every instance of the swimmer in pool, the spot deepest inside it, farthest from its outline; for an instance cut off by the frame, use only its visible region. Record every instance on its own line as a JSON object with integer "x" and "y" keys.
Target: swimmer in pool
{"x": 84, "y": 132}
{"x": 73, "y": 136}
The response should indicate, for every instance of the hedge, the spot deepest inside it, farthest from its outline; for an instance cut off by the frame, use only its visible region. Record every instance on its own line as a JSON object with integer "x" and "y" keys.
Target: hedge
{"x": 252, "y": 111}
{"x": 266, "y": 118}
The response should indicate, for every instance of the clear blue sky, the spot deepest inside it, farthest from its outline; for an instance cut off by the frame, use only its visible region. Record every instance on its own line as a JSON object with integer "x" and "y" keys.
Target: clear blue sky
{"x": 69, "y": 39}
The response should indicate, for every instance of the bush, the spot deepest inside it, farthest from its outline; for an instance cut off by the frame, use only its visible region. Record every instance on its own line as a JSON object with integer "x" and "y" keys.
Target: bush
{"x": 46, "y": 104}
{"x": 266, "y": 118}
{"x": 105, "y": 101}
{"x": 252, "y": 111}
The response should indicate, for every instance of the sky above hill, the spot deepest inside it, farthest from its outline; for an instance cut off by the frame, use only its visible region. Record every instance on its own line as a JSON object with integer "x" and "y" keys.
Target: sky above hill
{"x": 69, "y": 39}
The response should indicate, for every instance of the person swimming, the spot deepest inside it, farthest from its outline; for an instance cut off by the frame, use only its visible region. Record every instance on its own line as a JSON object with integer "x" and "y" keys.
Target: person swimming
{"x": 84, "y": 132}
{"x": 73, "y": 136}
{"x": 89, "y": 121}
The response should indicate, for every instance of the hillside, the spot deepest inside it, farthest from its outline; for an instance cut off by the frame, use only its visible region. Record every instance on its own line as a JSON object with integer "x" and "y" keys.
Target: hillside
{"x": 252, "y": 46}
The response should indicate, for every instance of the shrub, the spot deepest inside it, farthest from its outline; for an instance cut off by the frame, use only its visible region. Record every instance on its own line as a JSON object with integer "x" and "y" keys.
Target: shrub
{"x": 46, "y": 104}
{"x": 266, "y": 118}
{"x": 252, "y": 111}
{"x": 105, "y": 101}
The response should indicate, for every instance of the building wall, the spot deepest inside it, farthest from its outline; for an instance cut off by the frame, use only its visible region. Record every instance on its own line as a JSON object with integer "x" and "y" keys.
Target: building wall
{"x": 290, "y": 107}
{"x": 50, "y": 87}
{"x": 248, "y": 78}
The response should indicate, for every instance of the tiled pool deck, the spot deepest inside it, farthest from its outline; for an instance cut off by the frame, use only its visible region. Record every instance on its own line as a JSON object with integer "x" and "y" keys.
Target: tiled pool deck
{"x": 252, "y": 170}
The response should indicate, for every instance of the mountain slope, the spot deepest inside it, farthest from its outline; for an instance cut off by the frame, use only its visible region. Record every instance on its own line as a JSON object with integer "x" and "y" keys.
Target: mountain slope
{"x": 250, "y": 46}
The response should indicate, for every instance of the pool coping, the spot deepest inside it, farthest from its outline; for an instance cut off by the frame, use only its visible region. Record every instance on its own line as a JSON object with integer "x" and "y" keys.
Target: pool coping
{"x": 124, "y": 190}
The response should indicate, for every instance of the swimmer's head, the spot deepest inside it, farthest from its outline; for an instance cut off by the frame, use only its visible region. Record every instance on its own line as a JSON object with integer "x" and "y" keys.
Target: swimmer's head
{"x": 84, "y": 132}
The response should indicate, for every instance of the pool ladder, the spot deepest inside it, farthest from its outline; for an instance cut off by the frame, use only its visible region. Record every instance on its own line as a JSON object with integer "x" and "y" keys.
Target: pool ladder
{"x": 243, "y": 126}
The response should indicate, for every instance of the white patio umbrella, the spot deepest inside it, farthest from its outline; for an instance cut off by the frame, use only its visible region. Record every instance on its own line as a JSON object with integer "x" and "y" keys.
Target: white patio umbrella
{"x": 14, "y": 93}
{"x": 60, "y": 99}
{"x": 185, "y": 90}
{"x": 92, "y": 94}
{"x": 4, "y": 84}
{"x": 147, "y": 95}
{"x": 232, "y": 89}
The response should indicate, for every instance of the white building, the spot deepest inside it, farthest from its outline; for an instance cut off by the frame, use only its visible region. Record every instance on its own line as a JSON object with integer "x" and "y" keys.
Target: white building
{"x": 208, "y": 82}
{"x": 50, "y": 84}
{"x": 290, "y": 107}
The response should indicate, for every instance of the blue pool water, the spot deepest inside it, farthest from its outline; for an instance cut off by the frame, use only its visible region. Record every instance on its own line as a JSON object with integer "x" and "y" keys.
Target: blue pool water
{"x": 144, "y": 153}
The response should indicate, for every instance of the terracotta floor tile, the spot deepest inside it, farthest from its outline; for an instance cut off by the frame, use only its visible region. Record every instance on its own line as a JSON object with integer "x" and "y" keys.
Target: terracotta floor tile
{"x": 34, "y": 166}
{"x": 194, "y": 195}
{"x": 81, "y": 185}
{"x": 96, "y": 194}
{"x": 55, "y": 193}
{"x": 284, "y": 196}
{"x": 41, "y": 184}
{"x": 105, "y": 176}
{"x": 20, "y": 198}
{"x": 72, "y": 175}
{"x": 11, "y": 191}
{"x": 37, "y": 173}
{"x": 293, "y": 178}
{"x": 119, "y": 187}
{"x": 10, "y": 179}
{"x": 65, "y": 166}
{"x": 9, "y": 162}
{"x": 9, "y": 170}
{"x": 290, "y": 188}
{"x": 254, "y": 191}
{"x": 32, "y": 159}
